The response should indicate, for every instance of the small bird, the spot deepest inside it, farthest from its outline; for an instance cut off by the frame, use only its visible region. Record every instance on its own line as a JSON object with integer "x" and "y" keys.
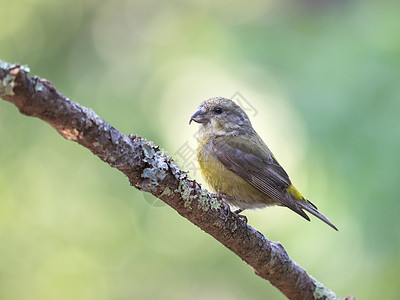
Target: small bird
{"x": 238, "y": 165}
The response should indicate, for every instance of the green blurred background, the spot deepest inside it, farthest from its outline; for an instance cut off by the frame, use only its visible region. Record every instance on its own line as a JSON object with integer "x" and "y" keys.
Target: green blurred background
{"x": 323, "y": 79}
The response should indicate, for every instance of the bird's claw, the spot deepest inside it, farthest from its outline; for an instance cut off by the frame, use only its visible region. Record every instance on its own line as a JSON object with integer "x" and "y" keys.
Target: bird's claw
{"x": 219, "y": 196}
{"x": 241, "y": 217}
{"x": 238, "y": 211}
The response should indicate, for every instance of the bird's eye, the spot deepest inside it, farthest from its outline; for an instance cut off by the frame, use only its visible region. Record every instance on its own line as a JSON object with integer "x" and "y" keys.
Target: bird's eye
{"x": 218, "y": 110}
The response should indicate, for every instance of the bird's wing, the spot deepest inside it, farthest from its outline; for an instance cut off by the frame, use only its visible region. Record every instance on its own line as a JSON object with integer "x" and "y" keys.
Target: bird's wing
{"x": 251, "y": 159}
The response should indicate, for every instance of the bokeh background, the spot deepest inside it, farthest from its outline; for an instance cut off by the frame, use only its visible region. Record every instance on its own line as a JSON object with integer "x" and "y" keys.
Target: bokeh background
{"x": 321, "y": 83}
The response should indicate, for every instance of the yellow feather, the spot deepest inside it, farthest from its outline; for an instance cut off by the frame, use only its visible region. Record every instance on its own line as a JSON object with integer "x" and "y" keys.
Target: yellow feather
{"x": 294, "y": 192}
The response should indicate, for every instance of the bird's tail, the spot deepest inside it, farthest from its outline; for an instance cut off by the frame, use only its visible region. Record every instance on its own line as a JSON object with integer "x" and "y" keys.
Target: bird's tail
{"x": 311, "y": 208}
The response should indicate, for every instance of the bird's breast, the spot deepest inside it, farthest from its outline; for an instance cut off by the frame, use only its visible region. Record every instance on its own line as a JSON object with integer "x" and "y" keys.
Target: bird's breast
{"x": 224, "y": 181}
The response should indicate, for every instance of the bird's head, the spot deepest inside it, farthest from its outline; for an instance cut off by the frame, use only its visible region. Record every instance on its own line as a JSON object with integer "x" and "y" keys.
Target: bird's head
{"x": 222, "y": 116}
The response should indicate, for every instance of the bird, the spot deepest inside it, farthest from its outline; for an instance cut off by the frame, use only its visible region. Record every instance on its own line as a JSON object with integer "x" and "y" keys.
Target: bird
{"x": 238, "y": 165}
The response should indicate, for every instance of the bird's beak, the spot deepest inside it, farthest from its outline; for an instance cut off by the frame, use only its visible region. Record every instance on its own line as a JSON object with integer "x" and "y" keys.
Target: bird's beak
{"x": 199, "y": 117}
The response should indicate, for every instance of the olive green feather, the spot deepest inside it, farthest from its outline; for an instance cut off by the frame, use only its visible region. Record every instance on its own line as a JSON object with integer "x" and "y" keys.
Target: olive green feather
{"x": 238, "y": 164}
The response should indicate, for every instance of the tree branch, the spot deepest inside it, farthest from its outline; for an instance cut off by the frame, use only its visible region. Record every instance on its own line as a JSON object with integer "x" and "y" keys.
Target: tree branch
{"x": 150, "y": 170}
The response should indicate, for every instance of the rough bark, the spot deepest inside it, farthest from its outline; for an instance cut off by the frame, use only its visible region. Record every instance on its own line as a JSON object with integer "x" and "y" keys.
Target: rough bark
{"x": 150, "y": 170}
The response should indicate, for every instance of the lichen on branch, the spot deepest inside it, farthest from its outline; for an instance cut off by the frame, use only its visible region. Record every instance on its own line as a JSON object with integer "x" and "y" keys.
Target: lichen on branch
{"x": 148, "y": 169}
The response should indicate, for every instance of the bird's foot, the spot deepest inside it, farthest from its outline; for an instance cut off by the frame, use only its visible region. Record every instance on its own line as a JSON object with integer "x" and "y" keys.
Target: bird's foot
{"x": 223, "y": 196}
{"x": 238, "y": 211}
{"x": 241, "y": 217}
{"x": 219, "y": 196}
